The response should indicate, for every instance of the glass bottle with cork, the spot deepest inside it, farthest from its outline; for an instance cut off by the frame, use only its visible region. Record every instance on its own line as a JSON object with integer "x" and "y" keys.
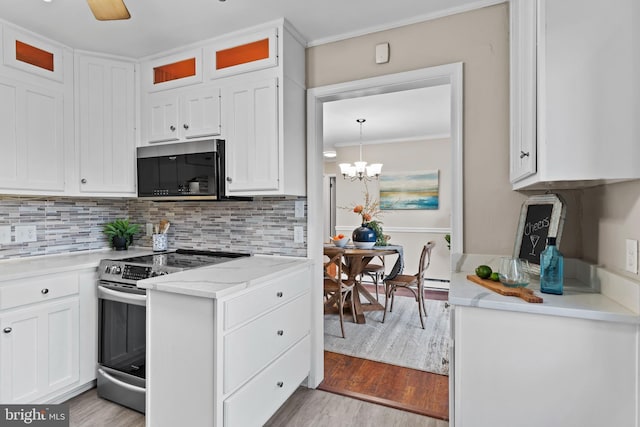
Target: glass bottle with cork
{"x": 551, "y": 269}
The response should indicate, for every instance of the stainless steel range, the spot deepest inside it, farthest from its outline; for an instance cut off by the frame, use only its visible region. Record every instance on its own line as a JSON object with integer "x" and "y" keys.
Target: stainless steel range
{"x": 122, "y": 314}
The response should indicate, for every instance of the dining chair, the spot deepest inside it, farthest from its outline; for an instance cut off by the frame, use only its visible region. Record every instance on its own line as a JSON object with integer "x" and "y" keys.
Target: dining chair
{"x": 336, "y": 286}
{"x": 376, "y": 272}
{"x": 414, "y": 283}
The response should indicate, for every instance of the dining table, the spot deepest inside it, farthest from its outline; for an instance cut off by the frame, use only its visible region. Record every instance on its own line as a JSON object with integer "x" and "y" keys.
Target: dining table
{"x": 355, "y": 261}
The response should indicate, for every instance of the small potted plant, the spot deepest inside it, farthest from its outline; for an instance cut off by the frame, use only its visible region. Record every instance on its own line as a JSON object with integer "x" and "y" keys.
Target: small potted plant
{"x": 120, "y": 233}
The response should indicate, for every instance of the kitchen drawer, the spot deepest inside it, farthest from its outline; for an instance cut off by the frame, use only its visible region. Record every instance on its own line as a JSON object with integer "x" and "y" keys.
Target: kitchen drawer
{"x": 251, "y": 304}
{"x": 38, "y": 289}
{"x": 252, "y": 347}
{"x": 256, "y": 402}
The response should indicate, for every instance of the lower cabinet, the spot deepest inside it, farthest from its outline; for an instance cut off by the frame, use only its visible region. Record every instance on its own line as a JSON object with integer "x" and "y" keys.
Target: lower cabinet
{"x": 39, "y": 352}
{"x": 48, "y": 341}
{"x": 247, "y": 353}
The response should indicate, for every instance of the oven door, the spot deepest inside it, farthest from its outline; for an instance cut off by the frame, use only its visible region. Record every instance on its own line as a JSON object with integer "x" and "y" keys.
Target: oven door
{"x": 121, "y": 345}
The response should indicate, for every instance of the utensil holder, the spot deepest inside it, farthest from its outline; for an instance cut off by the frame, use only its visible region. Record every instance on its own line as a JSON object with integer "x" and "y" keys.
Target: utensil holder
{"x": 159, "y": 242}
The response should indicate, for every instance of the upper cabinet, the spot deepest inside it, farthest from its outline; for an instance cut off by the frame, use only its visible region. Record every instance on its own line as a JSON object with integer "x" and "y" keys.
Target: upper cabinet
{"x": 182, "y": 114}
{"x": 242, "y": 54}
{"x": 105, "y": 125}
{"x": 574, "y": 95}
{"x": 171, "y": 71}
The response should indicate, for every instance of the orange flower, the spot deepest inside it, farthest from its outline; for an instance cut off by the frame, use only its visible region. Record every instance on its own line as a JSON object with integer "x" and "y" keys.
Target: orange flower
{"x": 358, "y": 209}
{"x": 366, "y": 217}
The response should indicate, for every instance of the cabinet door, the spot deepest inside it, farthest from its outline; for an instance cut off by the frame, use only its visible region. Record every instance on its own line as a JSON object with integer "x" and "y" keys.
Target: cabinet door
{"x": 106, "y": 105}
{"x": 523, "y": 89}
{"x": 201, "y": 113}
{"x": 8, "y": 135}
{"x": 252, "y": 138}
{"x": 38, "y": 350}
{"x": 162, "y": 117}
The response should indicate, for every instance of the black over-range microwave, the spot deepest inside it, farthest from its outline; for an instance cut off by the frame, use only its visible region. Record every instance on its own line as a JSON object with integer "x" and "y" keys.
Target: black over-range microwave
{"x": 183, "y": 171}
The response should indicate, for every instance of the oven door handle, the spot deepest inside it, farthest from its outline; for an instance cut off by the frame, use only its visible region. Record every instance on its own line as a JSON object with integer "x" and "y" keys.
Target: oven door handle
{"x": 121, "y": 383}
{"x": 123, "y": 297}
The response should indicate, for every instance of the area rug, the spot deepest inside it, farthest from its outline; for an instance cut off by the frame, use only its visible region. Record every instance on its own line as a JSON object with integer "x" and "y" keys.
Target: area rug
{"x": 400, "y": 340}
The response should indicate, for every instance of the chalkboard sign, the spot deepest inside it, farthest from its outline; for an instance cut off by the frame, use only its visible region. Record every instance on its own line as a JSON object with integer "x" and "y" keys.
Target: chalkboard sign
{"x": 540, "y": 217}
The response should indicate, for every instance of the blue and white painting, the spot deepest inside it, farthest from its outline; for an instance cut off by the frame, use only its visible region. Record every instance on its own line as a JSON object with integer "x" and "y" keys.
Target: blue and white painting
{"x": 409, "y": 190}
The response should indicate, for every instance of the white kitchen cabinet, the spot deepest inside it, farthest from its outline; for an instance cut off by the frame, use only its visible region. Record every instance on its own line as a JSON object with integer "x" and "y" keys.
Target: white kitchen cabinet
{"x": 39, "y": 352}
{"x": 530, "y": 370}
{"x": 182, "y": 114}
{"x": 105, "y": 114}
{"x": 574, "y": 96}
{"x": 252, "y": 149}
{"x": 265, "y": 126}
{"x": 247, "y": 352}
{"x": 31, "y": 133}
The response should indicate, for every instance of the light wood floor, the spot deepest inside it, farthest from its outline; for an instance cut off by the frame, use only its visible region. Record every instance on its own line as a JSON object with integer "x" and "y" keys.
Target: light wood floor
{"x": 306, "y": 408}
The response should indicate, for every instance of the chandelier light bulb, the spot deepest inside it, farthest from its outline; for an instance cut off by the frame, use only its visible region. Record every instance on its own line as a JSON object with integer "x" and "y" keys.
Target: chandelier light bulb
{"x": 360, "y": 170}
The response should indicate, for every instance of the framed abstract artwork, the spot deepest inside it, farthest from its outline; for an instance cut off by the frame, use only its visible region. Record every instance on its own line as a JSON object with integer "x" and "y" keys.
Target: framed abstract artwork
{"x": 409, "y": 190}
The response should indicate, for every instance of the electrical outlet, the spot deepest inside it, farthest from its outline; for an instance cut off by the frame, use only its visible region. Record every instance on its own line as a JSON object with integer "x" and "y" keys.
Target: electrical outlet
{"x": 298, "y": 234}
{"x": 632, "y": 256}
{"x": 299, "y": 210}
{"x": 149, "y": 229}
{"x": 5, "y": 234}
{"x": 25, "y": 233}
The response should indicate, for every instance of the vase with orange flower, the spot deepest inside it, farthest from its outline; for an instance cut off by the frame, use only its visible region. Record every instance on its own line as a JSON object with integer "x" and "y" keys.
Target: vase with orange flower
{"x": 364, "y": 237}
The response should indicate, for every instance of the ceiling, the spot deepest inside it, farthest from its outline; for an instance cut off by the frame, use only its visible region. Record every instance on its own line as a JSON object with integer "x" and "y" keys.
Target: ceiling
{"x": 159, "y": 25}
{"x": 392, "y": 117}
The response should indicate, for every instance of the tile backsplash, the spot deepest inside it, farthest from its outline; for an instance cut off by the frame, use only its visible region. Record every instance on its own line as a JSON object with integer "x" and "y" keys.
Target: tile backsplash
{"x": 262, "y": 226}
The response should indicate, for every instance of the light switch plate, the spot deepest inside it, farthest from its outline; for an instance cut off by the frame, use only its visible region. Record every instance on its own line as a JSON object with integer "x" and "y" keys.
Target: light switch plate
{"x": 5, "y": 234}
{"x": 632, "y": 256}
{"x": 298, "y": 234}
{"x": 299, "y": 210}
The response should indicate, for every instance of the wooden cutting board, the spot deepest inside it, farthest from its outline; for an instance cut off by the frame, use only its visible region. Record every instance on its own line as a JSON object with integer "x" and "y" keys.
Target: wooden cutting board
{"x": 524, "y": 293}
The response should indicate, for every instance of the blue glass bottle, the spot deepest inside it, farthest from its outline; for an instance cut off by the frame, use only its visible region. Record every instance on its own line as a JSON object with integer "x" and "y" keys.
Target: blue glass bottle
{"x": 551, "y": 269}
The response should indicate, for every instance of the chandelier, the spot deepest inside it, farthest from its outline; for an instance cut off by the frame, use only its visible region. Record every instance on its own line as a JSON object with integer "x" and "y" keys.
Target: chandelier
{"x": 360, "y": 170}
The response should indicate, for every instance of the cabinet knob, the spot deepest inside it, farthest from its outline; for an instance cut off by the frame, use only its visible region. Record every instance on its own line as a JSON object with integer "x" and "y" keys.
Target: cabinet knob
{"x": 523, "y": 154}
{"x": 7, "y": 330}
{"x": 83, "y": 180}
{"x": 446, "y": 305}
{"x": 45, "y": 291}
{"x": 172, "y": 127}
{"x": 280, "y": 332}
{"x": 229, "y": 179}
{"x": 280, "y": 384}
{"x": 279, "y": 294}
{"x": 186, "y": 126}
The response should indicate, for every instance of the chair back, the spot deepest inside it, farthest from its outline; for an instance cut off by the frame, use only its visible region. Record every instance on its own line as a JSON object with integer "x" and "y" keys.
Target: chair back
{"x": 333, "y": 264}
{"x": 425, "y": 260}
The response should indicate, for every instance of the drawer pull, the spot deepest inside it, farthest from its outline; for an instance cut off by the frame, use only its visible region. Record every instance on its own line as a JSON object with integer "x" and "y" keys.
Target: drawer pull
{"x": 279, "y": 294}
{"x": 280, "y": 332}
{"x": 44, "y": 291}
{"x": 280, "y": 384}
{"x": 7, "y": 330}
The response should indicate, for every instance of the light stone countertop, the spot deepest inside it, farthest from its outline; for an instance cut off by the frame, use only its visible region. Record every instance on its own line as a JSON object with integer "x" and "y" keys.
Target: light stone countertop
{"x": 20, "y": 268}
{"x": 576, "y": 302}
{"x": 216, "y": 281}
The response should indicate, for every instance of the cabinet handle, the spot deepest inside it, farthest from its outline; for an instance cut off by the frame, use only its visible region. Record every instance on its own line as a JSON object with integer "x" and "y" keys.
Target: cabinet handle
{"x": 83, "y": 180}
{"x": 7, "y": 330}
{"x": 280, "y": 384}
{"x": 523, "y": 154}
{"x": 279, "y": 294}
{"x": 446, "y": 305}
{"x": 229, "y": 179}
{"x": 280, "y": 332}
{"x": 186, "y": 126}
{"x": 45, "y": 291}
{"x": 172, "y": 127}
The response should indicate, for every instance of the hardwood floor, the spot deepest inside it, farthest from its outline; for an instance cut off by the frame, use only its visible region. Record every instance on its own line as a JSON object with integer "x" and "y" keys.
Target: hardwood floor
{"x": 89, "y": 410}
{"x": 394, "y": 386}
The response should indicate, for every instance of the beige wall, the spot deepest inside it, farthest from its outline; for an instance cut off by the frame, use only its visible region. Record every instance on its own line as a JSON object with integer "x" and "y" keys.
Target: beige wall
{"x": 611, "y": 215}
{"x": 479, "y": 39}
